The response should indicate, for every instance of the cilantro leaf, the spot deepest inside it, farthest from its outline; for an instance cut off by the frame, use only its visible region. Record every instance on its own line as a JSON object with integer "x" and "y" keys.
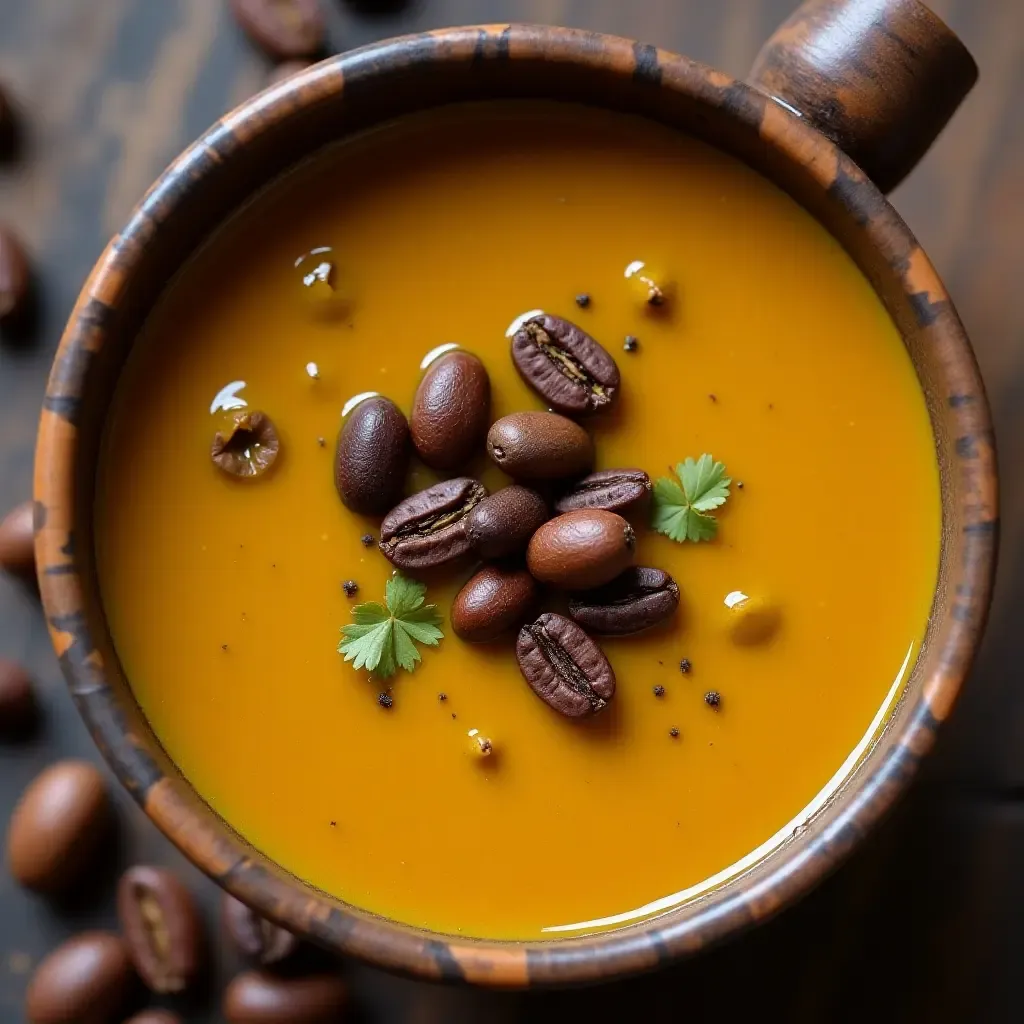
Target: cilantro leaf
{"x": 383, "y": 639}
{"x": 681, "y": 508}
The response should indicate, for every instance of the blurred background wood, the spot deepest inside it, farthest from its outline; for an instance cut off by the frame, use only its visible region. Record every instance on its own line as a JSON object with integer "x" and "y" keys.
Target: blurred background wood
{"x": 926, "y": 921}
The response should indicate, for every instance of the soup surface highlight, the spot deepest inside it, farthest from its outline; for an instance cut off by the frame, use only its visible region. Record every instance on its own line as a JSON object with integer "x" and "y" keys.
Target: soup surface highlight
{"x": 225, "y": 596}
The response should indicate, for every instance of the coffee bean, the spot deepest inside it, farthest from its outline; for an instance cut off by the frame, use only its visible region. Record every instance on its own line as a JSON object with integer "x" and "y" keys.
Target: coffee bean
{"x": 582, "y": 549}
{"x": 17, "y": 541}
{"x": 451, "y": 410}
{"x": 503, "y": 523}
{"x": 493, "y": 601}
{"x": 613, "y": 489}
{"x": 256, "y": 997}
{"x": 57, "y": 826}
{"x": 249, "y": 447}
{"x": 564, "y": 365}
{"x": 540, "y": 446}
{"x": 564, "y": 667}
{"x": 429, "y": 528}
{"x": 372, "y": 456}
{"x": 636, "y": 599}
{"x": 255, "y": 936}
{"x": 162, "y": 928}
{"x": 87, "y": 980}
{"x": 155, "y": 1017}
{"x": 15, "y": 278}
{"x": 285, "y": 29}
{"x": 17, "y": 700}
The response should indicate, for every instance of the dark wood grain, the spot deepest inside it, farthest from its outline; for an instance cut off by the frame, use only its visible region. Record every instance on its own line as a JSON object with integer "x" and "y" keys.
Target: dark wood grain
{"x": 933, "y": 903}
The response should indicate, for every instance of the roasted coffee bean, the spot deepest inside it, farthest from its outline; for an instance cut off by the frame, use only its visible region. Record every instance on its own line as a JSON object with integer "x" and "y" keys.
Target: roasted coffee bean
{"x": 493, "y": 601}
{"x": 87, "y": 980}
{"x": 57, "y": 826}
{"x": 429, "y": 528}
{"x": 451, "y": 410}
{"x": 155, "y": 1017}
{"x": 582, "y": 549}
{"x": 616, "y": 490}
{"x": 564, "y": 365}
{"x": 255, "y": 936}
{"x": 540, "y": 446}
{"x": 17, "y": 542}
{"x": 285, "y": 29}
{"x": 256, "y": 997}
{"x": 249, "y": 447}
{"x": 372, "y": 456}
{"x": 503, "y": 523}
{"x": 162, "y": 928}
{"x": 17, "y": 700}
{"x": 564, "y": 667}
{"x": 15, "y": 277}
{"x": 634, "y": 600}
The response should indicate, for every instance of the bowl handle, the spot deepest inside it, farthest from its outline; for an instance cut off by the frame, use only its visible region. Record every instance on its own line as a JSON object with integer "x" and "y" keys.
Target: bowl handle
{"x": 879, "y": 77}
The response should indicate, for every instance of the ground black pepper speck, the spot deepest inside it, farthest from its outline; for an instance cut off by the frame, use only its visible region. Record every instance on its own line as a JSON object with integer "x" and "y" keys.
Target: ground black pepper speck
{"x": 685, "y": 666}
{"x": 659, "y": 691}
{"x": 442, "y": 696}
{"x": 322, "y": 441}
{"x": 713, "y": 699}
{"x": 583, "y": 300}
{"x": 350, "y": 587}
{"x": 367, "y": 540}
{"x": 630, "y": 344}
{"x": 674, "y": 733}
{"x": 385, "y": 700}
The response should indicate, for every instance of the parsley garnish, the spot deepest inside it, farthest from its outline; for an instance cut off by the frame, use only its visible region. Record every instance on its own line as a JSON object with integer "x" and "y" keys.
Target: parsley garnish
{"x": 681, "y": 512}
{"x": 384, "y": 639}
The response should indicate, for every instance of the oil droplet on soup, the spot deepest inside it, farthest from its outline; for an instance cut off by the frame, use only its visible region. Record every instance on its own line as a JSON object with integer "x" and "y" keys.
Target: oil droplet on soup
{"x": 773, "y": 354}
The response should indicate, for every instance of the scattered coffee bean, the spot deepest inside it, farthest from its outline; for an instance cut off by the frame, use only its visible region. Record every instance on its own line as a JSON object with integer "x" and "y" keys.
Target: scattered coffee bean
{"x": 257, "y": 997}
{"x": 57, "y": 826}
{"x": 249, "y": 448}
{"x": 685, "y": 666}
{"x": 255, "y": 936}
{"x": 636, "y": 599}
{"x": 674, "y": 733}
{"x": 350, "y": 587}
{"x": 17, "y": 541}
{"x": 583, "y": 300}
{"x": 493, "y": 602}
{"x": 631, "y": 344}
{"x": 429, "y": 528}
{"x": 503, "y": 523}
{"x": 451, "y": 410}
{"x": 285, "y": 29}
{"x": 385, "y": 700}
{"x": 616, "y": 490}
{"x": 367, "y": 540}
{"x": 155, "y": 1017}
{"x": 17, "y": 700}
{"x": 564, "y": 365}
{"x": 582, "y": 549}
{"x": 372, "y": 456}
{"x": 713, "y": 699}
{"x": 15, "y": 278}
{"x": 540, "y": 446}
{"x": 564, "y": 667}
{"x": 161, "y": 927}
{"x": 659, "y": 691}
{"x": 87, "y": 980}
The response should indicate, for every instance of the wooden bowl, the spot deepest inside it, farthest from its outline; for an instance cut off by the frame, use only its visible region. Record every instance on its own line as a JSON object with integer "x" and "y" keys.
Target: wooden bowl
{"x": 264, "y": 137}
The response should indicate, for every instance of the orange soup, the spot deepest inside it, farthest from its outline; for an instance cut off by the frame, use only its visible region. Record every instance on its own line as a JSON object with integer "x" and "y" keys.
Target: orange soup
{"x": 771, "y": 353}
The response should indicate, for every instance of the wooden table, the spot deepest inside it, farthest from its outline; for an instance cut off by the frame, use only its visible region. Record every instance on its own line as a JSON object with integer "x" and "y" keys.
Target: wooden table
{"x": 930, "y": 911}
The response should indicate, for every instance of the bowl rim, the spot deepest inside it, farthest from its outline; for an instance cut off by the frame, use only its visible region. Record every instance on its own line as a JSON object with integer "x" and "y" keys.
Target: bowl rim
{"x": 209, "y": 842}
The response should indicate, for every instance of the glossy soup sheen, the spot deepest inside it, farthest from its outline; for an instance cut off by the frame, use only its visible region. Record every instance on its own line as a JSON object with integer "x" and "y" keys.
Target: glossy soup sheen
{"x": 773, "y": 354}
